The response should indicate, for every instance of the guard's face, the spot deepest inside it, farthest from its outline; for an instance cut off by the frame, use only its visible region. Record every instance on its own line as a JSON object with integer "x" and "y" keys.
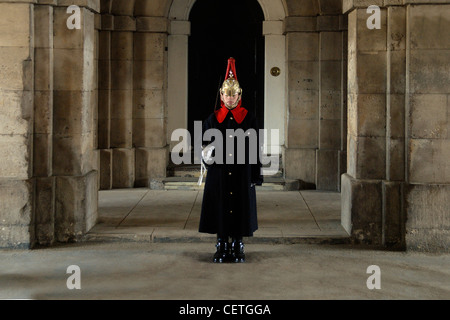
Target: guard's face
{"x": 230, "y": 101}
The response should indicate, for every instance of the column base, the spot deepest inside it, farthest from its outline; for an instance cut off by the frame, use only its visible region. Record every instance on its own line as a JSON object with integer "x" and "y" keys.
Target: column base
{"x": 76, "y": 206}
{"x": 16, "y": 212}
{"x": 373, "y": 212}
{"x": 428, "y": 225}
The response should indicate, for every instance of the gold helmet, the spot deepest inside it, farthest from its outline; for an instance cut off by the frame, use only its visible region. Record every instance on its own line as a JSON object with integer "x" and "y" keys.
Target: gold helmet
{"x": 231, "y": 85}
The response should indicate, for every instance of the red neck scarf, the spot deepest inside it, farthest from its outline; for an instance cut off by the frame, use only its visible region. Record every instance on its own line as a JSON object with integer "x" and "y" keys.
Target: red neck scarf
{"x": 239, "y": 113}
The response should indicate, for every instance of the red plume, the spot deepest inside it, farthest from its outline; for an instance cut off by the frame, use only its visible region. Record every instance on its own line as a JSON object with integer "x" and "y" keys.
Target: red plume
{"x": 231, "y": 70}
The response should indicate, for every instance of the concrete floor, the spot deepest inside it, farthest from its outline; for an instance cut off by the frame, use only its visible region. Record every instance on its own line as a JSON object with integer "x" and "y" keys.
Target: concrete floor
{"x": 180, "y": 271}
{"x": 146, "y": 247}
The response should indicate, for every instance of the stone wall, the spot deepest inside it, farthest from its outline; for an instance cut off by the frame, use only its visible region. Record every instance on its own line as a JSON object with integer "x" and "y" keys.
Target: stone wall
{"x": 395, "y": 192}
{"x": 428, "y": 127}
{"x": 16, "y": 125}
{"x": 371, "y": 103}
{"x": 132, "y": 94}
{"x": 74, "y": 160}
{"x": 316, "y": 124}
{"x": 48, "y": 136}
{"x": 133, "y": 101}
{"x": 316, "y": 146}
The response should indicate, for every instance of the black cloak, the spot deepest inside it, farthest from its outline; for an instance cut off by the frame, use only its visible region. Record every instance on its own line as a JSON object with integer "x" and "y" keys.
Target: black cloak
{"x": 229, "y": 199}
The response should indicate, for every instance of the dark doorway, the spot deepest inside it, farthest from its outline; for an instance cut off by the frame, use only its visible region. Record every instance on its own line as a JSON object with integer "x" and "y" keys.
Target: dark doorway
{"x": 220, "y": 30}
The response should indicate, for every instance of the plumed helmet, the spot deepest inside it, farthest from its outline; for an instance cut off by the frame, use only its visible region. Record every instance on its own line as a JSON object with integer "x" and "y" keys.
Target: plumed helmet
{"x": 231, "y": 85}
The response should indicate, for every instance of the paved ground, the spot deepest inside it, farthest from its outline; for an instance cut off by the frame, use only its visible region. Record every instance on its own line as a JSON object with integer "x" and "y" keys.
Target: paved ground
{"x": 184, "y": 271}
{"x": 150, "y": 249}
{"x": 152, "y": 215}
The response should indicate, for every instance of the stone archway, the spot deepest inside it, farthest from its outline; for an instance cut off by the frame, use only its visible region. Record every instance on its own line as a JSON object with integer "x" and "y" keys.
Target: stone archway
{"x": 275, "y": 12}
{"x": 397, "y": 161}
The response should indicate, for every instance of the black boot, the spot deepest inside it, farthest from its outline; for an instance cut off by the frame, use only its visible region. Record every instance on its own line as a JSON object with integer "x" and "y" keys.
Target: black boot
{"x": 237, "y": 251}
{"x": 223, "y": 250}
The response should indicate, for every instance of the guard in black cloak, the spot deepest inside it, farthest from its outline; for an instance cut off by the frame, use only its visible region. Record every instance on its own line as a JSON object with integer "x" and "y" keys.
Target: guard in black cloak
{"x": 233, "y": 171}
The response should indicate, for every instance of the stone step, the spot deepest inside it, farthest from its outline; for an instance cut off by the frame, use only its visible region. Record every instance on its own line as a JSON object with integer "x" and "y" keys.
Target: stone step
{"x": 190, "y": 183}
{"x": 183, "y": 236}
{"x": 193, "y": 171}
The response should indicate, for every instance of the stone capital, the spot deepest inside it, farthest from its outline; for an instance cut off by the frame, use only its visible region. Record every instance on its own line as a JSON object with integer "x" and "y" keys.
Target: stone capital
{"x": 272, "y": 28}
{"x": 180, "y": 28}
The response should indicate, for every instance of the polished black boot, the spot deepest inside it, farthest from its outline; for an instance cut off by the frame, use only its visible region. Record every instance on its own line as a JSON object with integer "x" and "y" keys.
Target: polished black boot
{"x": 223, "y": 250}
{"x": 237, "y": 251}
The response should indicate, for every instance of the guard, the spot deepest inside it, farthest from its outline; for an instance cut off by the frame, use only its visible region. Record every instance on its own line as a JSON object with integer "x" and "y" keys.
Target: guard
{"x": 229, "y": 199}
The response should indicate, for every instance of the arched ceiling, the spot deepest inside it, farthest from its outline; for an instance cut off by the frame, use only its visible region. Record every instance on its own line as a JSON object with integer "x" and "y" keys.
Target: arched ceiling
{"x": 161, "y": 8}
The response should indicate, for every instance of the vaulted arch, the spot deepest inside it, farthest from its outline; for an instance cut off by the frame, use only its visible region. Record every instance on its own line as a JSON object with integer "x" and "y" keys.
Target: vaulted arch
{"x": 275, "y": 12}
{"x": 273, "y": 9}
{"x": 180, "y": 9}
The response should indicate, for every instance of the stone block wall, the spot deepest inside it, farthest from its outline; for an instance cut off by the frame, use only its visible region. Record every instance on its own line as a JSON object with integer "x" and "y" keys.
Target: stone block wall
{"x": 395, "y": 191}
{"x": 317, "y": 117}
{"x": 16, "y": 125}
{"x": 48, "y": 174}
{"x": 75, "y": 159}
{"x": 83, "y": 109}
{"x": 428, "y": 127}
{"x": 132, "y": 96}
{"x": 43, "y": 125}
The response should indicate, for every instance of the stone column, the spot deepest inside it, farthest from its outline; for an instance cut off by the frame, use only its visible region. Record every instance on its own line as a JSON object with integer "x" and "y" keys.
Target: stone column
{"x": 43, "y": 125}
{"x": 16, "y": 124}
{"x": 104, "y": 101}
{"x": 331, "y": 103}
{"x": 315, "y": 117}
{"x": 372, "y": 188}
{"x": 177, "y": 90}
{"x": 303, "y": 101}
{"x": 123, "y": 153}
{"x": 74, "y": 104}
{"x": 366, "y": 163}
{"x": 393, "y": 213}
{"x": 149, "y": 99}
{"x": 395, "y": 192}
{"x": 427, "y": 194}
{"x": 275, "y": 86}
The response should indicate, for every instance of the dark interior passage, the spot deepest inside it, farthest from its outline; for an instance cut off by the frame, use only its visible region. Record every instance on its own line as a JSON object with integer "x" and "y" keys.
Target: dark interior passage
{"x": 217, "y": 33}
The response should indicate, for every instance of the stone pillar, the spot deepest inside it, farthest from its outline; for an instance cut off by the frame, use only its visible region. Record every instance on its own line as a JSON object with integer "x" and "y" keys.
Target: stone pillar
{"x": 373, "y": 187}
{"x": 104, "y": 101}
{"x": 303, "y": 101}
{"x": 393, "y": 211}
{"x": 74, "y": 104}
{"x": 177, "y": 90}
{"x": 366, "y": 164}
{"x": 395, "y": 192}
{"x": 275, "y": 86}
{"x": 149, "y": 103}
{"x": 316, "y": 118}
{"x": 123, "y": 153}
{"x": 332, "y": 106}
{"x": 16, "y": 124}
{"x": 43, "y": 125}
{"x": 427, "y": 194}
